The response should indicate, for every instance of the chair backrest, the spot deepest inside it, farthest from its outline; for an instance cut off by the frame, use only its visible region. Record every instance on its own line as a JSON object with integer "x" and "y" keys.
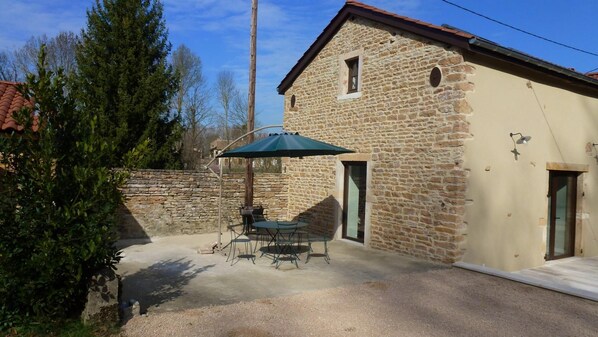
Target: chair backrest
{"x": 258, "y": 214}
{"x": 286, "y": 229}
{"x": 252, "y": 214}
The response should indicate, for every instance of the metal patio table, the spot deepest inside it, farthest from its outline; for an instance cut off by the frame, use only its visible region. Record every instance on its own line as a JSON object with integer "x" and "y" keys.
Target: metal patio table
{"x": 280, "y": 229}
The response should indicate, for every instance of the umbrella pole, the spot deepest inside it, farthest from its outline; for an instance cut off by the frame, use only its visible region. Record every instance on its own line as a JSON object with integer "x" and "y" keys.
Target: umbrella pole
{"x": 207, "y": 167}
{"x": 220, "y": 207}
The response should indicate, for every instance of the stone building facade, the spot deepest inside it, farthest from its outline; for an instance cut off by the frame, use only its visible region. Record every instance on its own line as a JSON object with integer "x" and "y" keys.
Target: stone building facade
{"x": 409, "y": 119}
{"x": 410, "y": 134}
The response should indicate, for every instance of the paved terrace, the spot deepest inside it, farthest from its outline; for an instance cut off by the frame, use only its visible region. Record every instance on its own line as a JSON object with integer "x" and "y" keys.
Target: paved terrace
{"x": 361, "y": 293}
{"x": 168, "y": 274}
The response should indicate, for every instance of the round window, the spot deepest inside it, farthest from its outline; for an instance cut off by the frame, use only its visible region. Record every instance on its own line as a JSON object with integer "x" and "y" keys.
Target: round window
{"x": 435, "y": 77}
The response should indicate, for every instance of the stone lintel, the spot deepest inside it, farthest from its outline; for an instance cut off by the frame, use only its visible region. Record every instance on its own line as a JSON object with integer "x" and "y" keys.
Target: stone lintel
{"x": 551, "y": 166}
{"x": 355, "y": 157}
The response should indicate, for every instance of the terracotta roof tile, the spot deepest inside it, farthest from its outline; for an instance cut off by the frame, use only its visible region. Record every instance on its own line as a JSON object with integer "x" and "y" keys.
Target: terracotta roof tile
{"x": 11, "y": 100}
{"x": 218, "y": 144}
{"x": 593, "y": 75}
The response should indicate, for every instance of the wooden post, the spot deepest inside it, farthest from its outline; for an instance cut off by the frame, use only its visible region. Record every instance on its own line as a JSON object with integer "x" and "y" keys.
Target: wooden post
{"x": 251, "y": 103}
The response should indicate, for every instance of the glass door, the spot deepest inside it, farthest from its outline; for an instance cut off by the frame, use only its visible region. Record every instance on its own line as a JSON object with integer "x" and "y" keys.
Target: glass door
{"x": 354, "y": 201}
{"x": 562, "y": 198}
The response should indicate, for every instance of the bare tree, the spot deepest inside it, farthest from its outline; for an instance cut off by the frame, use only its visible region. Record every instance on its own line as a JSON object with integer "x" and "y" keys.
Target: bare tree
{"x": 238, "y": 116}
{"x": 234, "y": 105}
{"x": 8, "y": 71}
{"x": 25, "y": 58}
{"x": 227, "y": 93}
{"x": 60, "y": 53}
{"x": 191, "y": 103}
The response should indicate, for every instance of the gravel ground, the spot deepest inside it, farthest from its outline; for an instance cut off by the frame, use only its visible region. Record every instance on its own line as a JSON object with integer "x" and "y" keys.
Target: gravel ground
{"x": 449, "y": 302}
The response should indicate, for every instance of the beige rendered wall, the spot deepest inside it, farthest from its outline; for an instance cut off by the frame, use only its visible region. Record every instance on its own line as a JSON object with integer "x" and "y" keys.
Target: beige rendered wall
{"x": 507, "y": 204}
{"x": 410, "y": 134}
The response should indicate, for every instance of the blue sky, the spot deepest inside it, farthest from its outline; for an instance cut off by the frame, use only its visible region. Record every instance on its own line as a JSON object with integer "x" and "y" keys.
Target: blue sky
{"x": 218, "y": 31}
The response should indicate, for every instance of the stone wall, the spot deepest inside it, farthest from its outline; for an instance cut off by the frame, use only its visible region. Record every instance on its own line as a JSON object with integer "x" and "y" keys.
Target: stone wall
{"x": 166, "y": 202}
{"x": 412, "y": 132}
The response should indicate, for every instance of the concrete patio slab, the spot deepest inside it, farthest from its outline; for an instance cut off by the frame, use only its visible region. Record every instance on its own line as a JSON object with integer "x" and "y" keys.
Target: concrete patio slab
{"x": 168, "y": 274}
{"x": 361, "y": 293}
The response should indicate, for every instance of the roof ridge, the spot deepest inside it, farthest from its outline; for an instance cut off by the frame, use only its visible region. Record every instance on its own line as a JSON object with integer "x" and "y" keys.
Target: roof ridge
{"x": 11, "y": 82}
{"x": 449, "y": 35}
{"x": 451, "y": 30}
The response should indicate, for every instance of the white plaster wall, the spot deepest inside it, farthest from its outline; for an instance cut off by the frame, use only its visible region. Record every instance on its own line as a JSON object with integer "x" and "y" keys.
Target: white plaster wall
{"x": 507, "y": 205}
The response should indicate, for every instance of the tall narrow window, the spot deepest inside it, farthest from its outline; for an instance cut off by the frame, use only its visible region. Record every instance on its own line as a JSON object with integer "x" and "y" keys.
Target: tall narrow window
{"x": 353, "y": 66}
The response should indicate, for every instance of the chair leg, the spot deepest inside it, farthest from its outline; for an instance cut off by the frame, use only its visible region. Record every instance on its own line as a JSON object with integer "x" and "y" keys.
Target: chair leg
{"x": 248, "y": 253}
{"x": 286, "y": 246}
{"x": 231, "y": 251}
{"x": 310, "y": 250}
{"x": 232, "y": 246}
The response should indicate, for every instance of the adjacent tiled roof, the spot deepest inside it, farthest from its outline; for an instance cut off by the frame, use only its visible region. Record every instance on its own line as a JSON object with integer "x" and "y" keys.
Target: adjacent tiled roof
{"x": 593, "y": 75}
{"x": 445, "y": 34}
{"x": 11, "y": 100}
{"x": 218, "y": 144}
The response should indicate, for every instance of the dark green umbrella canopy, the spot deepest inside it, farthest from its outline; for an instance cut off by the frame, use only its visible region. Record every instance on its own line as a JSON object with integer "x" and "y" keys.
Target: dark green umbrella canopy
{"x": 285, "y": 145}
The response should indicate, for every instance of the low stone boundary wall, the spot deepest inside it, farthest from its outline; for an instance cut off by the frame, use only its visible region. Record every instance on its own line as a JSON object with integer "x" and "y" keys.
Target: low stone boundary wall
{"x": 172, "y": 202}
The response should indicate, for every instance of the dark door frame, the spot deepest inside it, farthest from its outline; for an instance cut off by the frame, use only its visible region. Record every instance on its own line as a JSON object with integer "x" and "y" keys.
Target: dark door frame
{"x": 571, "y": 209}
{"x": 346, "y": 165}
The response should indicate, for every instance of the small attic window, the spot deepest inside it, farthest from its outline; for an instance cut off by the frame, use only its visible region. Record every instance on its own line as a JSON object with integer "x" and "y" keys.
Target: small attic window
{"x": 350, "y": 74}
{"x": 353, "y": 80}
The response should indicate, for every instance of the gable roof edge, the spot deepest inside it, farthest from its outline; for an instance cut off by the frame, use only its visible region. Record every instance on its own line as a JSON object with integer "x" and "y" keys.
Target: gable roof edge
{"x": 354, "y": 8}
{"x": 505, "y": 54}
{"x": 445, "y": 34}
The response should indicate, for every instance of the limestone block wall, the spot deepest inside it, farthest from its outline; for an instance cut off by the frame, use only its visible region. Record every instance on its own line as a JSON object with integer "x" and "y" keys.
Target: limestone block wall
{"x": 412, "y": 133}
{"x": 167, "y": 202}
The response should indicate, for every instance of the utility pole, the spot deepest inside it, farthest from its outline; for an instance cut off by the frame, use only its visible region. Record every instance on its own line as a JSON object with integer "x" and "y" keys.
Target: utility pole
{"x": 251, "y": 103}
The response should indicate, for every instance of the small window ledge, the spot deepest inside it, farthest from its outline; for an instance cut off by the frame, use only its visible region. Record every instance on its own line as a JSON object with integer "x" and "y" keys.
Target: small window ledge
{"x": 352, "y": 95}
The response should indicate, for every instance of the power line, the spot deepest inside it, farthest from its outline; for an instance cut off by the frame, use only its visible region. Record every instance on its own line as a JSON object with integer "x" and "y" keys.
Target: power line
{"x": 519, "y": 30}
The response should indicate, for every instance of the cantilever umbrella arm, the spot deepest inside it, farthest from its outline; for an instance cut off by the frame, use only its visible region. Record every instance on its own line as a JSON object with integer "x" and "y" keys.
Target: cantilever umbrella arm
{"x": 207, "y": 167}
{"x": 219, "y": 176}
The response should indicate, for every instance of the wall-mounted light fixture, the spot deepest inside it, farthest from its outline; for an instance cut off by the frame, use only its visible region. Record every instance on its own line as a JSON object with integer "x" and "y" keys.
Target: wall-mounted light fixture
{"x": 522, "y": 140}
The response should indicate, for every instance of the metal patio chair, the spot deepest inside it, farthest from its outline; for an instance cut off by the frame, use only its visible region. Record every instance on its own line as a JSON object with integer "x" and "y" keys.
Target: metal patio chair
{"x": 251, "y": 216}
{"x": 238, "y": 238}
{"x": 315, "y": 238}
{"x": 284, "y": 243}
{"x": 235, "y": 245}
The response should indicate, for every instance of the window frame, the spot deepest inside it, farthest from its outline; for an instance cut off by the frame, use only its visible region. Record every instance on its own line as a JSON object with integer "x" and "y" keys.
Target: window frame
{"x": 353, "y": 73}
{"x": 344, "y": 74}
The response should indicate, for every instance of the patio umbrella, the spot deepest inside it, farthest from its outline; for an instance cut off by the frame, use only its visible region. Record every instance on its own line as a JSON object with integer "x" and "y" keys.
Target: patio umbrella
{"x": 275, "y": 145}
{"x": 285, "y": 145}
